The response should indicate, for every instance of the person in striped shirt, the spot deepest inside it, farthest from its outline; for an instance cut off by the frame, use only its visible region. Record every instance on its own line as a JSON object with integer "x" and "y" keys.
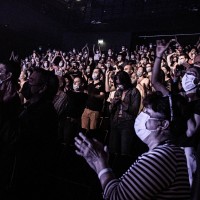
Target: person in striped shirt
{"x": 160, "y": 173}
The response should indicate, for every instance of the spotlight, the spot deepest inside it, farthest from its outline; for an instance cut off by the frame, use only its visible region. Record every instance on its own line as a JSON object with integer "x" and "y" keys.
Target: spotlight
{"x": 100, "y": 41}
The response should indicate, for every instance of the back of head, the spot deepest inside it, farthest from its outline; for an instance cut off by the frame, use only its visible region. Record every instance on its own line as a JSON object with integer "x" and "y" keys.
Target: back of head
{"x": 67, "y": 76}
{"x": 57, "y": 60}
{"x": 52, "y": 85}
{"x": 51, "y": 81}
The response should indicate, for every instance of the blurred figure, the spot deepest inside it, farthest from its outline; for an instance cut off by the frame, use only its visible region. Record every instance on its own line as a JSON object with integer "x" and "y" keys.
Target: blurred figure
{"x": 9, "y": 111}
{"x": 38, "y": 125}
{"x": 124, "y": 108}
{"x": 76, "y": 101}
{"x": 190, "y": 84}
{"x": 94, "y": 103}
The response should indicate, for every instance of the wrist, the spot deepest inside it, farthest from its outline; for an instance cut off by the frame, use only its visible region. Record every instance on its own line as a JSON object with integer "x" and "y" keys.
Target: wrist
{"x": 104, "y": 171}
{"x": 100, "y": 165}
{"x": 159, "y": 57}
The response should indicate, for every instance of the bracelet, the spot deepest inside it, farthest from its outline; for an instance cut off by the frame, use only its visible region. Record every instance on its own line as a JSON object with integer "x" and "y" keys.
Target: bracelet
{"x": 159, "y": 57}
{"x": 103, "y": 171}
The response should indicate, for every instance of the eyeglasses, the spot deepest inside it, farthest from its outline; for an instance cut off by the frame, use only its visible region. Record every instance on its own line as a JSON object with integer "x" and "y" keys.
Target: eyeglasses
{"x": 145, "y": 110}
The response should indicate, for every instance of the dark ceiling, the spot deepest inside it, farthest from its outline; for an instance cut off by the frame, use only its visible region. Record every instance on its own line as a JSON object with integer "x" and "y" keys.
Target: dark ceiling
{"x": 49, "y": 21}
{"x": 123, "y": 15}
{"x": 137, "y": 16}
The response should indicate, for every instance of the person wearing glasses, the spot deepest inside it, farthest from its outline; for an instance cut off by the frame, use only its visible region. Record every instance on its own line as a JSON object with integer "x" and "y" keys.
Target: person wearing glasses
{"x": 160, "y": 173}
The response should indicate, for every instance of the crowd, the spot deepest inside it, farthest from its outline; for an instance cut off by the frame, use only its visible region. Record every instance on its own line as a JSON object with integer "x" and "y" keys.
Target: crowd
{"x": 48, "y": 98}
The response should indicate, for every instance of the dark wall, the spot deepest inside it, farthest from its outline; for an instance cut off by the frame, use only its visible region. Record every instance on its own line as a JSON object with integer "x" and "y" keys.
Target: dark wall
{"x": 24, "y": 27}
{"x": 111, "y": 40}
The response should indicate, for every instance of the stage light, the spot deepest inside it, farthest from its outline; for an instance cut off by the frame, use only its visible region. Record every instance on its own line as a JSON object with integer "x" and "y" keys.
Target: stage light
{"x": 100, "y": 41}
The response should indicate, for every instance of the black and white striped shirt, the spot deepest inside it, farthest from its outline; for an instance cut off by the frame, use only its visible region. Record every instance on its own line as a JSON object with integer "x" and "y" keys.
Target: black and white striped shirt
{"x": 158, "y": 174}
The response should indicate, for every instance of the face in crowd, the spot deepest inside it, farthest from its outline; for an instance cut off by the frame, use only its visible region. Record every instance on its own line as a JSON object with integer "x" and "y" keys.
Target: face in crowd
{"x": 77, "y": 84}
{"x": 191, "y": 80}
{"x": 96, "y": 74}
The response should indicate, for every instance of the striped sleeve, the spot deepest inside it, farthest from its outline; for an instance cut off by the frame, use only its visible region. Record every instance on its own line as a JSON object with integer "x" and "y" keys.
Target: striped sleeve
{"x": 150, "y": 175}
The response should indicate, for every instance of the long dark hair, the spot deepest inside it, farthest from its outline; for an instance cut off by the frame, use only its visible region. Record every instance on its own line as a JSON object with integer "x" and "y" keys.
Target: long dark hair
{"x": 124, "y": 79}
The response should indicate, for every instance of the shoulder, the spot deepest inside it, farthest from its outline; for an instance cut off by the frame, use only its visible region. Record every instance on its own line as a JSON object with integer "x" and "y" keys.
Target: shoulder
{"x": 82, "y": 95}
{"x": 168, "y": 154}
{"x": 99, "y": 85}
{"x": 162, "y": 160}
{"x": 197, "y": 107}
{"x": 164, "y": 150}
{"x": 134, "y": 91}
{"x": 90, "y": 85}
{"x": 160, "y": 155}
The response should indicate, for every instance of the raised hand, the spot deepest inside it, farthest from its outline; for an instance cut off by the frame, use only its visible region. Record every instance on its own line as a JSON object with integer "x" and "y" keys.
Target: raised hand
{"x": 162, "y": 46}
{"x": 7, "y": 91}
{"x": 108, "y": 71}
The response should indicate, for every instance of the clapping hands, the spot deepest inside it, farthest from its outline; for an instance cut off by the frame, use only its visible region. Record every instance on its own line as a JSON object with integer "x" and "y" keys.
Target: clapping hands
{"x": 92, "y": 150}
